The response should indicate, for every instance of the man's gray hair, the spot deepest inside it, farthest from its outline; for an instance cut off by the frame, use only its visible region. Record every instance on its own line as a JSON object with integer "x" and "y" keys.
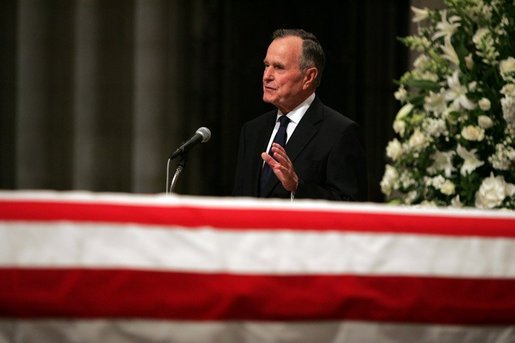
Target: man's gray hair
{"x": 312, "y": 52}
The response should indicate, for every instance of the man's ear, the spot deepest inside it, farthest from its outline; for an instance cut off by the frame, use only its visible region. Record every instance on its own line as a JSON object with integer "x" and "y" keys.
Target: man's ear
{"x": 309, "y": 77}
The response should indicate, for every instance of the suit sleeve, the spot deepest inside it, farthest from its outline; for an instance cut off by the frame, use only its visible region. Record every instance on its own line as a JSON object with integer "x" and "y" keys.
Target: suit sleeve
{"x": 345, "y": 171}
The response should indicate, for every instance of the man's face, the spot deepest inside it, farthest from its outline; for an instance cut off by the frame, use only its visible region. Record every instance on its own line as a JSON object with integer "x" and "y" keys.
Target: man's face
{"x": 283, "y": 80}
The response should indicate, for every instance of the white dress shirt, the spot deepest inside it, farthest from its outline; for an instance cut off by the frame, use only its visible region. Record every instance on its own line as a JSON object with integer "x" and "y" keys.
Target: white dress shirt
{"x": 295, "y": 116}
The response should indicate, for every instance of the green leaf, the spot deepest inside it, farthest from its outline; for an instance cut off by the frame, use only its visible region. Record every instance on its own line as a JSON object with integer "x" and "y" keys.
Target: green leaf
{"x": 423, "y": 84}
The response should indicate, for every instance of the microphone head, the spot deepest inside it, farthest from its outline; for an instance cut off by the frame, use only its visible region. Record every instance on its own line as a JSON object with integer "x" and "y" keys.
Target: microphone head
{"x": 205, "y": 133}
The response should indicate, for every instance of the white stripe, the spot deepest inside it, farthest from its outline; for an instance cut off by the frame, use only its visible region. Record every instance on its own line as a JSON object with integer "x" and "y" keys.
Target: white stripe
{"x": 249, "y": 203}
{"x": 71, "y": 244}
{"x": 141, "y": 331}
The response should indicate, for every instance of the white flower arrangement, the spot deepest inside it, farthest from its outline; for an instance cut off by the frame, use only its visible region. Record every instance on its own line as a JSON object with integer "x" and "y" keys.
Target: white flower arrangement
{"x": 455, "y": 131}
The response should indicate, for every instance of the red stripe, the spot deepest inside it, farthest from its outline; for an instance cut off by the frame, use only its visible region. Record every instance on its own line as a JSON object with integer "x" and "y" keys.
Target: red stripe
{"x": 192, "y": 217}
{"x": 56, "y": 293}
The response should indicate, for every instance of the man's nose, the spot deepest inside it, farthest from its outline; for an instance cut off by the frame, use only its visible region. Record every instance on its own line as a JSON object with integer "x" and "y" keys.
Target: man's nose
{"x": 268, "y": 74}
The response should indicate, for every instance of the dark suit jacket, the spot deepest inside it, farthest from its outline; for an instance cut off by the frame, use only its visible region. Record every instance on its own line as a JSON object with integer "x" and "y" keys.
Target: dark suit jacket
{"x": 326, "y": 152}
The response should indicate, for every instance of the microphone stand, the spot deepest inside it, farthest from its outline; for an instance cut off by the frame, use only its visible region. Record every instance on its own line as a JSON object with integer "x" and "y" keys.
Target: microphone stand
{"x": 178, "y": 170}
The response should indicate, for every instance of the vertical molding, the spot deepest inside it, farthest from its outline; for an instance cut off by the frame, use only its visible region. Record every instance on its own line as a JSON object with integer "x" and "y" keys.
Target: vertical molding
{"x": 149, "y": 157}
{"x": 31, "y": 101}
{"x": 85, "y": 95}
{"x": 44, "y": 97}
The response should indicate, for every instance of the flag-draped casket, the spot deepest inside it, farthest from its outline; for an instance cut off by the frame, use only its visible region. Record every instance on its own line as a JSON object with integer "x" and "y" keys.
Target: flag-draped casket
{"x": 86, "y": 267}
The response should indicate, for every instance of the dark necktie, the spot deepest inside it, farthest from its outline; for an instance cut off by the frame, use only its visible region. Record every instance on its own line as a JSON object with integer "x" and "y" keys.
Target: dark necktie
{"x": 280, "y": 138}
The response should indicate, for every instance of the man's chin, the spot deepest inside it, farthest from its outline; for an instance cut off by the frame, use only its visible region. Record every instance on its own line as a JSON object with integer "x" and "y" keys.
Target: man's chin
{"x": 268, "y": 99}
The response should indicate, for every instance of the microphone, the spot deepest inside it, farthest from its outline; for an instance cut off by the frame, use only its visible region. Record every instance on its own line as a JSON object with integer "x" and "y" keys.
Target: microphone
{"x": 202, "y": 135}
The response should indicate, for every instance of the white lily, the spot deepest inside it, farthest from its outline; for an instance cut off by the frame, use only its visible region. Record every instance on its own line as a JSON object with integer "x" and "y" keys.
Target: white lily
{"x": 470, "y": 161}
{"x": 435, "y": 102}
{"x": 420, "y": 14}
{"x": 435, "y": 127}
{"x": 446, "y": 28}
{"x": 449, "y": 53}
{"x": 443, "y": 161}
{"x": 457, "y": 93}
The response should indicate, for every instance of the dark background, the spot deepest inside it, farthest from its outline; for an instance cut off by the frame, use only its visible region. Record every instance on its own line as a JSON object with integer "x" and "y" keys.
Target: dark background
{"x": 96, "y": 94}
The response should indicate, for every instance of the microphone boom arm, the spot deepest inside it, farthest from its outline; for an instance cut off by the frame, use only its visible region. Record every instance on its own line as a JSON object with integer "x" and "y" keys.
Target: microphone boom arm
{"x": 202, "y": 135}
{"x": 178, "y": 171}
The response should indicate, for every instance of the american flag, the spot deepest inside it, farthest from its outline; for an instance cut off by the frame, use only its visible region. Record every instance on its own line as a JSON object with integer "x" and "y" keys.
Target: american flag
{"x": 90, "y": 267}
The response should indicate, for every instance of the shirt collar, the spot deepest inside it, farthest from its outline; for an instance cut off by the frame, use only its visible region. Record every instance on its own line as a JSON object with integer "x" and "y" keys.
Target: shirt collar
{"x": 298, "y": 112}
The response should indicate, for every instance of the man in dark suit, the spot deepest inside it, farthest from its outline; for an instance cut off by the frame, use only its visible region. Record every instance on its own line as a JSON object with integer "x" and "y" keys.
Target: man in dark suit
{"x": 313, "y": 153}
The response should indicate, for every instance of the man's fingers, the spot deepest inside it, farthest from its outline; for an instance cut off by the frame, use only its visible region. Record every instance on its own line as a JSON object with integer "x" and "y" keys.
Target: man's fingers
{"x": 281, "y": 156}
{"x": 269, "y": 159}
{"x": 282, "y": 167}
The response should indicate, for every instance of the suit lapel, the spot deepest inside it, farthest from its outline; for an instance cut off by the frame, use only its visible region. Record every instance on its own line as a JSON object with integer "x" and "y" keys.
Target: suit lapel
{"x": 303, "y": 134}
{"x": 306, "y": 129}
